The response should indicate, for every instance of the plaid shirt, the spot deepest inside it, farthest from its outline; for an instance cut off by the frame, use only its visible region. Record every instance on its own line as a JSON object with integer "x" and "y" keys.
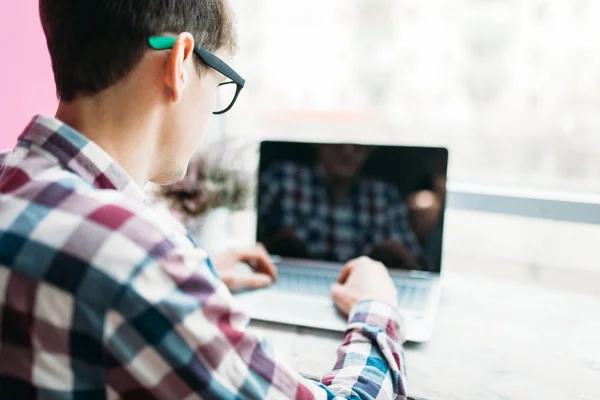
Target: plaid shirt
{"x": 295, "y": 197}
{"x": 100, "y": 298}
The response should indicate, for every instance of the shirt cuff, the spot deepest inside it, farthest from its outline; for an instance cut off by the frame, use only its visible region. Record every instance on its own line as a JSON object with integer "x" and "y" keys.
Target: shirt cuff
{"x": 377, "y": 314}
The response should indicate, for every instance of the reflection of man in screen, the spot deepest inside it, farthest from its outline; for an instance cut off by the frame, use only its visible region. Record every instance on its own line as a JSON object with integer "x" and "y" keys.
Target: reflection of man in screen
{"x": 330, "y": 211}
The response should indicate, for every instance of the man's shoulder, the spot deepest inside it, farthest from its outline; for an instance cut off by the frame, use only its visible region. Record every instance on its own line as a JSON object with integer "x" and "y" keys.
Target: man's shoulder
{"x": 56, "y": 221}
{"x": 3, "y": 154}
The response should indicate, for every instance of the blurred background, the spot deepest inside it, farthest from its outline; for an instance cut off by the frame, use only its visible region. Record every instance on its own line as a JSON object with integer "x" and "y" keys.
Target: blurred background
{"x": 512, "y": 87}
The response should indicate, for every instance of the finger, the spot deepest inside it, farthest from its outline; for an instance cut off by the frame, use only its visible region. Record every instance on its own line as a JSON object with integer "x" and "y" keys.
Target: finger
{"x": 268, "y": 265}
{"x": 271, "y": 264}
{"x": 262, "y": 247}
{"x": 345, "y": 273}
{"x": 259, "y": 260}
{"x": 341, "y": 298}
{"x": 253, "y": 281}
{"x": 349, "y": 267}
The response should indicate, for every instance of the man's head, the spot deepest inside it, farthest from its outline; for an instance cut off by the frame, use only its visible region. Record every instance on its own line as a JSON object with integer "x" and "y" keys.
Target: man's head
{"x": 342, "y": 161}
{"x": 100, "y": 47}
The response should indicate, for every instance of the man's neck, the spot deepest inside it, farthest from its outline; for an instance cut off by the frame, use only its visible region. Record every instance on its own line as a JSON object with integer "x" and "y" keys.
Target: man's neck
{"x": 129, "y": 141}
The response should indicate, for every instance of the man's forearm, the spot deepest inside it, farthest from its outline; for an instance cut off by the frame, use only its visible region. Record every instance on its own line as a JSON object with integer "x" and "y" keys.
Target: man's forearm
{"x": 207, "y": 349}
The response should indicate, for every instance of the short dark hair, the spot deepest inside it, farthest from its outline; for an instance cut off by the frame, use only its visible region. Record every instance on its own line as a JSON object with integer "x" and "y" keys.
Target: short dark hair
{"x": 95, "y": 43}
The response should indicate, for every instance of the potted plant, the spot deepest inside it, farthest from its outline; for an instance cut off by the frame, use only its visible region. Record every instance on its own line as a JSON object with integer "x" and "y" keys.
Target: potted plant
{"x": 219, "y": 181}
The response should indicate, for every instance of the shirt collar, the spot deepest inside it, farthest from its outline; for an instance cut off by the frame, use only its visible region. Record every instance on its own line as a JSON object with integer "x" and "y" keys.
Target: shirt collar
{"x": 79, "y": 154}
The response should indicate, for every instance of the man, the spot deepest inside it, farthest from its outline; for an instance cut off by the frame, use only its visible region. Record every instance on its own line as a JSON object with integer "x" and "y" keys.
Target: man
{"x": 331, "y": 211}
{"x": 98, "y": 297}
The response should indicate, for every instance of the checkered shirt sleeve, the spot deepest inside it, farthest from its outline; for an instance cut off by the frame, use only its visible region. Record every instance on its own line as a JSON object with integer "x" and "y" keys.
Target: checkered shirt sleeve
{"x": 176, "y": 332}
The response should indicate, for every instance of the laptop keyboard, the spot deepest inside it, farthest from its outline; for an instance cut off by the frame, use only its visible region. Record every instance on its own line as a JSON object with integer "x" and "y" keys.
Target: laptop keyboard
{"x": 411, "y": 295}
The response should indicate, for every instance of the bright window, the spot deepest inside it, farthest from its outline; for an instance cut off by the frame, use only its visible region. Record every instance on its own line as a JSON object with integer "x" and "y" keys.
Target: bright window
{"x": 511, "y": 87}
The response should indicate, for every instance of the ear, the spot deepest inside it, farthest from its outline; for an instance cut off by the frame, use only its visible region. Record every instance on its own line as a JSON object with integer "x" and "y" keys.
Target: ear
{"x": 176, "y": 76}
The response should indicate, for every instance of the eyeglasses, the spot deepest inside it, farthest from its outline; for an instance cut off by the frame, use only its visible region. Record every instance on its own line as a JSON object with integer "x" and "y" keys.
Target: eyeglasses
{"x": 228, "y": 91}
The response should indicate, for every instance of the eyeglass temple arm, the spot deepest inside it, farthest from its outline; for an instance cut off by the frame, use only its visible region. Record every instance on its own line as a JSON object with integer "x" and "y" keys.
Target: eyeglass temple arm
{"x": 166, "y": 42}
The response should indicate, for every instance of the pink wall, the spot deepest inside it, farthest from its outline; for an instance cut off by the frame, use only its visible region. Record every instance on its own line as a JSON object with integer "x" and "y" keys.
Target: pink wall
{"x": 26, "y": 82}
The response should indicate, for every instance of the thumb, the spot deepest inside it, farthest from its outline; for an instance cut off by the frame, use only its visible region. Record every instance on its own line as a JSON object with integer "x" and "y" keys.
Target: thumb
{"x": 342, "y": 298}
{"x": 251, "y": 281}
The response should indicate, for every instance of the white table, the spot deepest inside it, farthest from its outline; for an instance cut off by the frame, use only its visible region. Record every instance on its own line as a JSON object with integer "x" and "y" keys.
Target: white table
{"x": 496, "y": 338}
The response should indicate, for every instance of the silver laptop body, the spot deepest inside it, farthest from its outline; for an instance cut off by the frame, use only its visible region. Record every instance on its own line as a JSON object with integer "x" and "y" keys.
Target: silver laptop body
{"x": 301, "y": 295}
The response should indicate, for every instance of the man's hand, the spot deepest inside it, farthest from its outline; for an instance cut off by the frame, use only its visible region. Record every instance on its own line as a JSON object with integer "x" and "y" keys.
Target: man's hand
{"x": 265, "y": 272}
{"x": 363, "y": 279}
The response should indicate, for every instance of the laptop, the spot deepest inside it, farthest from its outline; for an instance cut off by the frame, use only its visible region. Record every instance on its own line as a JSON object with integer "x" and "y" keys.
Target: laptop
{"x": 320, "y": 205}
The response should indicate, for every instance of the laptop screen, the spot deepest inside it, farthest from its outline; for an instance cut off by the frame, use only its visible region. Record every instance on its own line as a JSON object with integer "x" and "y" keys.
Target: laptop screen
{"x": 336, "y": 202}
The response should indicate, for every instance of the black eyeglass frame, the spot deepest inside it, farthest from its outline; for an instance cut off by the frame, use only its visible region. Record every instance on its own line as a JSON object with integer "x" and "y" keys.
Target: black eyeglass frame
{"x": 208, "y": 58}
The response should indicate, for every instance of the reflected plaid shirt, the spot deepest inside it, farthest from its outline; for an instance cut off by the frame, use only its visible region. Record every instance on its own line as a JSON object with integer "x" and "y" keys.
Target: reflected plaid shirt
{"x": 101, "y": 298}
{"x": 295, "y": 196}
